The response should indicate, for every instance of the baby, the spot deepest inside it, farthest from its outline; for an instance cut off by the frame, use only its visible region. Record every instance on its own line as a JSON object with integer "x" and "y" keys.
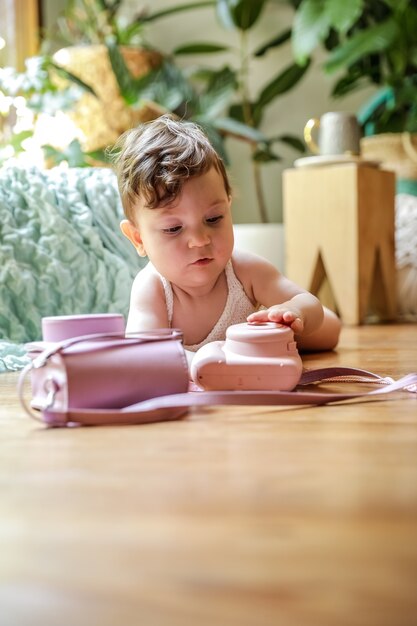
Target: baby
{"x": 177, "y": 200}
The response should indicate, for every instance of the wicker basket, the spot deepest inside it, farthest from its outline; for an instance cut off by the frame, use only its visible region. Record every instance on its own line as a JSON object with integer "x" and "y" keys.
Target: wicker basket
{"x": 396, "y": 151}
{"x": 101, "y": 120}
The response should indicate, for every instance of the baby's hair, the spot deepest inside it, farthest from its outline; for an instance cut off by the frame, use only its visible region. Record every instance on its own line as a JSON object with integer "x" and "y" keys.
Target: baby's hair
{"x": 154, "y": 161}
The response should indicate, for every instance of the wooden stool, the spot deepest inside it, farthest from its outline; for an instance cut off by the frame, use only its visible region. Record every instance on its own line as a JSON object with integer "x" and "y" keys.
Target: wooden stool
{"x": 340, "y": 228}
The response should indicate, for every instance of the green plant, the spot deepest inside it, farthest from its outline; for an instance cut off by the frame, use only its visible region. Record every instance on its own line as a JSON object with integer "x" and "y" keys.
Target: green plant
{"x": 366, "y": 42}
{"x": 99, "y": 21}
{"x": 218, "y": 99}
{"x": 37, "y": 91}
{"x": 242, "y": 17}
{"x": 102, "y": 22}
{"x": 27, "y": 95}
{"x": 221, "y": 99}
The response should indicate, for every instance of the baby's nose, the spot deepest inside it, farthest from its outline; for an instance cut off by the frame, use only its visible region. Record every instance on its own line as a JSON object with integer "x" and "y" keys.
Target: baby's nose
{"x": 199, "y": 238}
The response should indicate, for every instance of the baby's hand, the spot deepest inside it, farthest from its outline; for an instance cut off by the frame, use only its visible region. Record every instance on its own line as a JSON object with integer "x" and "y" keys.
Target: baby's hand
{"x": 281, "y": 314}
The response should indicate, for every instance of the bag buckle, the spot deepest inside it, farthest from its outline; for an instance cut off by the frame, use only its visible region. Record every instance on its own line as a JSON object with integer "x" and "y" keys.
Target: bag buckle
{"x": 51, "y": 388}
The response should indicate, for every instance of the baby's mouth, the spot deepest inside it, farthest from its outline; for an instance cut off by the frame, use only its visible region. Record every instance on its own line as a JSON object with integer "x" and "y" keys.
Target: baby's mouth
{"x": 203, "y": 261}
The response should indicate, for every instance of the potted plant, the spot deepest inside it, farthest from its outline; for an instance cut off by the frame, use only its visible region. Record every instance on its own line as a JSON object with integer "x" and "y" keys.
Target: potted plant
{"x": 220, "y": 99}
{"x": 374, "y": 42}
{"x": 109, "y": 81}
{"x": 78, "y": 85}
{"x": 51, "y": 82}
{"x": 369, "y": 42}
{"x": 88, "y": 25}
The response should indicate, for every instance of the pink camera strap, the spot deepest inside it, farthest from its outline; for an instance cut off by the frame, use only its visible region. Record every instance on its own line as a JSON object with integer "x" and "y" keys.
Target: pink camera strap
{"x": 171, "y": 407}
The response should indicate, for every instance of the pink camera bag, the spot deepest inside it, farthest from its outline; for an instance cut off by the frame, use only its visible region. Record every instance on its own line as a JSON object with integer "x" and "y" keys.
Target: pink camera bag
{"x": 98, "y": 375}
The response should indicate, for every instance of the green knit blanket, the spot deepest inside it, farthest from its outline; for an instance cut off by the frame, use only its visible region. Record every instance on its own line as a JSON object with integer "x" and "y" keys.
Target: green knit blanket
{"x": 61, "y": 251}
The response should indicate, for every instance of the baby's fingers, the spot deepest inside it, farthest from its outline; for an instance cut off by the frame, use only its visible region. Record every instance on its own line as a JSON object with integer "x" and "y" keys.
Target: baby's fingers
{"x": 297, "y": 326}
{"x": 279, "y": 316}
{"x": 258, "y": 316}
{"x": 289, "y": 318}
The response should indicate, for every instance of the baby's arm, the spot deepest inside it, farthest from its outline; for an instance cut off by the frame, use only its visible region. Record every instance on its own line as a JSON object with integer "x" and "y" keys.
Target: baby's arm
{"x": 147, "y": 309}
{"x": 285, "y": 302}
{"x": 315, "y": 326}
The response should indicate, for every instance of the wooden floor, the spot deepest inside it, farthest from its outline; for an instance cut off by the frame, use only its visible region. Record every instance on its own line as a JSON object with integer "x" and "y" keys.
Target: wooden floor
{"x": 249, "y": 516}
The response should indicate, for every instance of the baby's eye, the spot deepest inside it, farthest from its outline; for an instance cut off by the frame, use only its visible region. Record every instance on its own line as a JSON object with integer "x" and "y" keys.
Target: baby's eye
{"x": 214, "y": 220}
{"x": 172, "y": 230}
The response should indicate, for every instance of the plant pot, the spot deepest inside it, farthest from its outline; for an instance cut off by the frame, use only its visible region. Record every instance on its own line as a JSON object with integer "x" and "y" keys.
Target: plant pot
{"x": 398, "y": 152}
{"x": 266, "y": 240}
{"x": 103, "y": 119}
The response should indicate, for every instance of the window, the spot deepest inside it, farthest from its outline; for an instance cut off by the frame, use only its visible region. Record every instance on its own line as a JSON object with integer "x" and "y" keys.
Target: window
{"x": 19, "y": 31}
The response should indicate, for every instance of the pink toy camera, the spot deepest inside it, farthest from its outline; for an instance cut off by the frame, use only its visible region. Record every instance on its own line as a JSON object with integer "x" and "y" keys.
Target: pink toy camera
{"x": 253, "y": 357}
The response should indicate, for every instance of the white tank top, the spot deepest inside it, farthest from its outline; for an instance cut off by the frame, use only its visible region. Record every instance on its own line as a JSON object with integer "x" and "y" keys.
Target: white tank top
{"x": 237, "y": 308}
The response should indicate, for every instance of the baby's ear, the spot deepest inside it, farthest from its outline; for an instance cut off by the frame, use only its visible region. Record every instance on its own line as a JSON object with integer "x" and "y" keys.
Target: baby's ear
{"x": 132, "y": 233}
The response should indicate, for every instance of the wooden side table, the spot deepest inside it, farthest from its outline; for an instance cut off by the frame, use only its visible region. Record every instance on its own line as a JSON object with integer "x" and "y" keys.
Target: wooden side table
{"x": 340, "y": 230}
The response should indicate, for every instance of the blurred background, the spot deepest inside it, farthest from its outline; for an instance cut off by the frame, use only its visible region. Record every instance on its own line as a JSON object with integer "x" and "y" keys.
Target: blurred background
{"x": 75, "y": 74}
{"x": 31, "y": 27}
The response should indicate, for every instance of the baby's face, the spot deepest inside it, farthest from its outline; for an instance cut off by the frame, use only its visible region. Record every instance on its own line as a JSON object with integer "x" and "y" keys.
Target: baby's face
{"x": 190, "y": 240}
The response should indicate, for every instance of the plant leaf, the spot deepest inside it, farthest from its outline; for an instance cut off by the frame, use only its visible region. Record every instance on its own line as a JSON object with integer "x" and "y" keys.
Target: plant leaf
{"x": 265, "y": 155}
{"x": 17, "y": 139}
{"x": 224, "y": 14}
{"x": 349, "y": 82}
{"x": 241, "y": 113}
{"x": 342, "y": 15}
{"x": 99, "y": 155}
{"x": 290, "y": 140}
{"x": 73, "y": 154}
{"x": 273, "y": 43}
{"x": 281, "y": 84}
{"x": 177, "y": 9}
{"x": 131, "y": 33}
{"x": 215, "y": 137}
{"x": 125, "y": 80}
{"x": 374, "y": 39}
{"x": 200, "y": 48}
{"x": 378, "y": 100}
{"x": 72, "y": 78}
{"x": 218, "y": 93}
{"x": 241, "y": 14}
{"x": 311, "y": 26}
{"x": 238, "y": 129}
{"x": 167, "y": 86}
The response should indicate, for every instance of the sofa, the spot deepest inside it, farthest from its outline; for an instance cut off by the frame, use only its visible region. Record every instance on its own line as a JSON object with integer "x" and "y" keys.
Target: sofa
{"x": 61, "y": 251}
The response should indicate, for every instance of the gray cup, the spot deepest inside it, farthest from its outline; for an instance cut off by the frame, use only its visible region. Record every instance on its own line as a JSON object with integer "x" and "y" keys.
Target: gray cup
{"x": 335, "y": 133}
